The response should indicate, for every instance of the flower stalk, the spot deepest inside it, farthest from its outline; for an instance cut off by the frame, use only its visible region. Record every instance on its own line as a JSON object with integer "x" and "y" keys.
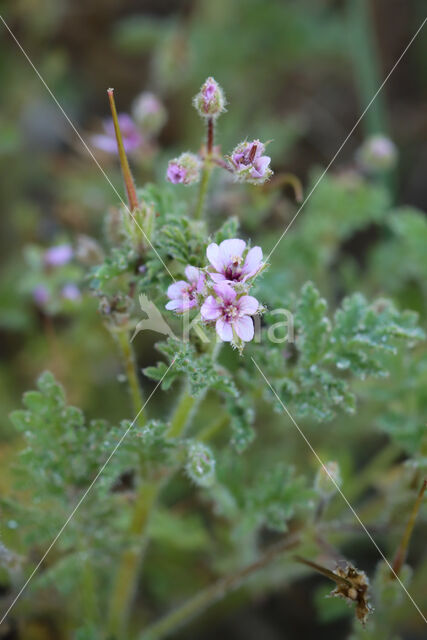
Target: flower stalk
{"x": 127, "y": 175}
{"x": 220, "y": 589}
{"x": 402, "y": 551}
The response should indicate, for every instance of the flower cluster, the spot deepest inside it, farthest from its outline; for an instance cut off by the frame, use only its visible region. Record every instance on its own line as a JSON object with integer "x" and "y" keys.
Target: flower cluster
{"x": 221, "y": 289}
{"x": 247, "y": 163}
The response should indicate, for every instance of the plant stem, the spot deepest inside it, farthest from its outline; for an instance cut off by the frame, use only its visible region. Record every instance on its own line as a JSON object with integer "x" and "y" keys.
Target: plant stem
{"x": 207, "y": 170}
{"x": 204, "y": 183}
{"x": 400, "y": 556}
{"x": 212, "y": 429}
{"x": 129, "y": 363}
{"x": 181, "y": 414}
{"x": 127, "y": 175}
{"x": 206, "y": 598}
{"x": 366, "y": 64}
{"x": 126, "y": 577}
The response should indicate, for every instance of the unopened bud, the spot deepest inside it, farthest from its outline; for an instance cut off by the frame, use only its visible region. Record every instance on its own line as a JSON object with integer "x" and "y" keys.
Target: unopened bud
{"x": 88, "y": 251}
{"x": 149, "y": 112}
{"x": 200, "y": 465}
{"x": 184, "y": 170}
{"x": 377, "y": 153}
{"x": 210, "y": 101}
{"x": 328, "y": 479}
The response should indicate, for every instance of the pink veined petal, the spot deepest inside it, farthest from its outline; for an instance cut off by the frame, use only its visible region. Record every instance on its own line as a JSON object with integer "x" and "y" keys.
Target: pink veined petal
{"x": 224, "y": 291}
{"x": 210, "y": 310}
{"x": 253, "y": 261}
{"x": 212, "y": 253}
{"x": 248, "y": 305}
{"x": 260, "y": 166}
{"x": 174, "y": 305}
{"x": 224, "y": 330}
{"x": 177, "y": 289}
{"x": 192, "y": 273}
{"x": 244, "y": 327}
{"x": 188, "y": 303}
{"x": 201, "y": 282}
{"x": 218, "y": 277}
{"x": 228, "y": 249}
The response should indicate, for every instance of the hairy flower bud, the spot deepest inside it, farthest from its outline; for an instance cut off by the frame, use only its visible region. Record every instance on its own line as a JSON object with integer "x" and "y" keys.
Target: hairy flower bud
{"x": 326, "y": 477}
{"x": 200, "y": 465}
{"x": 149, "y": 112}
{"x": 210, "y": 101}
{"x": 378, "y": 153}
{"x": 184, "y": 170}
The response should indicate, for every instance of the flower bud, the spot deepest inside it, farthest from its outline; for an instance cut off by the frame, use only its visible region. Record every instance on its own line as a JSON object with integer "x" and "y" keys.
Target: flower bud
{"x": 184, "y": 170}
{"x": 149, "y": 112}
{"x": 249, "y": 164}
{"x": 378, "y": 153}
{"x": 327, "y": 479}
{"x": 210, "y": 101}
{"x": 200, "y": 465}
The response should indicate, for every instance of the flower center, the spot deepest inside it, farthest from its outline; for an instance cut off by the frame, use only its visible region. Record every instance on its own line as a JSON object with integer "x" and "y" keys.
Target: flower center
{"x": 230, "y": 311}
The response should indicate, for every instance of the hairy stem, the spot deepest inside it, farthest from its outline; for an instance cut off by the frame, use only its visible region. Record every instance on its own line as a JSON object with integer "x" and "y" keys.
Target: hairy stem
{"x": 206, "y": 598}
{"x": 127, "y": 573}
{"x": 181, "y": 414}
{"x": 400, "y": 556}
{"x": 127, "y": 175}
{"x": 129, "y": 363}
{"x": 207, "y": 170}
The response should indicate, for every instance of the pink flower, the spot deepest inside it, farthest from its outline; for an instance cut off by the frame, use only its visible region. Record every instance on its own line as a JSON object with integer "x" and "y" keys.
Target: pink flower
{"x": 184, "y": 170}
{"x": 249, "y": 164}
{"x": 229, "y": 264}
{"x": 132, "y": 138}
{"x": 184, "y": 295}
{"x": 232, "y": 314}
{"x": 149, "y": 112}
{"x": 58, "y": 255}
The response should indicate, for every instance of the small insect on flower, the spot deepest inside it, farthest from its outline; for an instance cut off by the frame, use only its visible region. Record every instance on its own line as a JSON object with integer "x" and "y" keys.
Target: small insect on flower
{"x": 132, "y": 137}
{"x": 184, "y": 170}
{"x": 249, "y": 164}
{"x": 229, "y": 263}
{"x": 231, "y": 313}
{"x": 184, "y": 295}
{"x": 210, "y": 101}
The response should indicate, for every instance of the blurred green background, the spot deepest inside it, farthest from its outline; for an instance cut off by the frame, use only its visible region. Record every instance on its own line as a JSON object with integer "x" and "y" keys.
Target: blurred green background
{"x": 297, "y": 72}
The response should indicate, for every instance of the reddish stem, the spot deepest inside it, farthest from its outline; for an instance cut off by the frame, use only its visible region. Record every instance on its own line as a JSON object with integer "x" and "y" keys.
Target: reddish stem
{"x": 210, "y": 137}
{"x": 127, "y": 175}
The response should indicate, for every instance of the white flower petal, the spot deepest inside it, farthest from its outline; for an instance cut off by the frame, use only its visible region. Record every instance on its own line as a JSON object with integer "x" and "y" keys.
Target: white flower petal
{"x": 192, "y": 273}
{"x": 177, "y": 289}
{"x": 253, "y": 261}
{"x": 244, "y": 327}
{"x": 248, "y": 305}
{"x": 212, "y": 253}
{"x": 224, "y": 330}
{"x": 228, "y": 249}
